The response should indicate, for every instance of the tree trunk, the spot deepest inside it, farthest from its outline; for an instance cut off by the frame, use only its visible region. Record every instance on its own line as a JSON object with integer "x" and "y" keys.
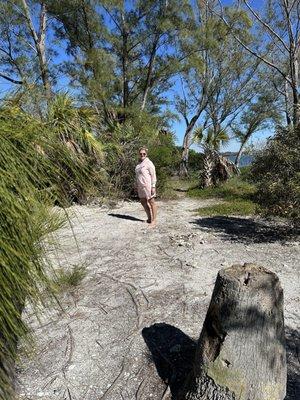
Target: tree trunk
{"x": 42, "y": 52}
{"x": 150, "y": 71}
{"x": 183, "y": 171}
{"x": 124, "y": 59}
{"x": 183, "y": 168}
{"x": 241, "y": 350}
{"x": 287, "y": 104}
{"x": 40, "y": 44}
{"x": 296, "y": 107}
{"x": 239, "y": 154}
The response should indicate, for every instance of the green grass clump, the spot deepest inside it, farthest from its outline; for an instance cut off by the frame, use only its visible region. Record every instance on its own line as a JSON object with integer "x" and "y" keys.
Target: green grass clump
{"x": 68, "y": 279}
{"x": 236, "y": 195}
{"x": 236, "y": 207}
{"x": 234, "y": 189}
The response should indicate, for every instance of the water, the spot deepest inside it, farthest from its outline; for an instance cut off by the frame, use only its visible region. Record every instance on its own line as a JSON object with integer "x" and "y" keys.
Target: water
{"x": 246, "y": 159}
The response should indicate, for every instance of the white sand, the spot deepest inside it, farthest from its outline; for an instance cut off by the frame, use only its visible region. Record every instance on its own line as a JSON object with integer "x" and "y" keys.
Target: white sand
{"x": 137, "y": 276}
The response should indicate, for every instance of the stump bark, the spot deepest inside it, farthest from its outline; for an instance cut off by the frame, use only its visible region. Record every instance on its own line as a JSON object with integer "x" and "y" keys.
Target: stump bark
{"x": 241, "y": 350}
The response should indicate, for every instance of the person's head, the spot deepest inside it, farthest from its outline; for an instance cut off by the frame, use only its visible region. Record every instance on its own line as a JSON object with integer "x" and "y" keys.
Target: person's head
{"x": 143, "y": 152}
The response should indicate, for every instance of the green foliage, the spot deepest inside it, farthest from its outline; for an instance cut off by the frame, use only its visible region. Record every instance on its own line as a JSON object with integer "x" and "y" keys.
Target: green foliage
{"x": 234, "y": 207}
{"x": 119, "y": 64}
{"x": 214, "y": 139}
{"x": 79, "y": 157}
{"x": 245, "y": 173}
{"x": 41, "y": 163}
{"x": 235, "y": 188}
{"x": 121, "y": 147}
{"x": 195, "y": 161}
{"x": 25, "y": 218}
{"x": 276, "y": 172}
{"x": 236, "y": 196}
{"x": 165, "y": 157}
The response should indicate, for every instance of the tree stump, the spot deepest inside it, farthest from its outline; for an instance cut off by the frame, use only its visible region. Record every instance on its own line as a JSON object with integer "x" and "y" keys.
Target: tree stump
{"x": 241, "y": 350}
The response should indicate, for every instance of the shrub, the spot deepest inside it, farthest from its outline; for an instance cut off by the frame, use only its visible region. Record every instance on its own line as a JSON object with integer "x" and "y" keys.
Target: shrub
{"x": 121, "y": 149}
{"x": 195, "y": 161}
{"x": 41, "y": 163}
{"x": 165, "y": 157}
{"x": 276, "y": 171}
{"x": 25, "y": 218}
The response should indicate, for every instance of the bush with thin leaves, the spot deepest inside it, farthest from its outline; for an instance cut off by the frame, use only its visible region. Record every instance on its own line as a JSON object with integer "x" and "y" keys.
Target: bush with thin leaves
{"x": 25, "y": 218}
{"x": 276, "y": 172}
{"x": 42, "y": 163}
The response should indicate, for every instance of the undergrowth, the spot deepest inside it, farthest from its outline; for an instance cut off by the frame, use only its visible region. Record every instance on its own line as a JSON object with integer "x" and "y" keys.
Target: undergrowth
{"x": 68, "y": 279}
{"x": 236, "y": 198}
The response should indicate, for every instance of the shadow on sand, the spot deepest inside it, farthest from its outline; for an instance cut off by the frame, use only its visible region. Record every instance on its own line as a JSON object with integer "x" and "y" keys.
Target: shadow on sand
{"x": 173, "y": 352}
{"x": 124, "y": 216}
{"x": 246, "y": 229}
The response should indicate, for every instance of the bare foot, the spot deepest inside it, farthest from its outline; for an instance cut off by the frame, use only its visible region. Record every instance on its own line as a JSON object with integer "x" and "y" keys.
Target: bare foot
{"x": 148, "y": 221}
{"x": 152, "y": 224}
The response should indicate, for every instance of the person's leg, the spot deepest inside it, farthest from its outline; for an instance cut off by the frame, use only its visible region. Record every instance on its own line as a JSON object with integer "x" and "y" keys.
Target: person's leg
{"x": 145, "y": 204}
{"x": 153, "y": 208}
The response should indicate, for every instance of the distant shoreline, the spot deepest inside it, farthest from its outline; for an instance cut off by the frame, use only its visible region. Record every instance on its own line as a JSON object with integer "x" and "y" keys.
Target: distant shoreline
{"x": 246, "y": 159}
{"x": 234, "y": 154}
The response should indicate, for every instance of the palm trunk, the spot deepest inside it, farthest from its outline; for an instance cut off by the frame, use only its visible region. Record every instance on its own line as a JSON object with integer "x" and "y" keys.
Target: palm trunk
{"x": 241, "y": 350}
{"x": 208, "y": 169}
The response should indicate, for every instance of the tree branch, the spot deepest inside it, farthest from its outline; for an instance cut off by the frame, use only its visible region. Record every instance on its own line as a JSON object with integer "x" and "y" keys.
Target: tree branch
{"x": 254, "y": 53}
{"x": 12, "y": 80}
{"x": 267, "y": 26}
{"x": 30, "y": 23}
{"x": 290, "y": 29}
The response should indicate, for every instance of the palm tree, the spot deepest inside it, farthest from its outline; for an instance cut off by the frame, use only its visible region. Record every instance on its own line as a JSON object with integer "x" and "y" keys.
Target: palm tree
{"x": 211, "y": 141}
{"x": 75, "y": 149}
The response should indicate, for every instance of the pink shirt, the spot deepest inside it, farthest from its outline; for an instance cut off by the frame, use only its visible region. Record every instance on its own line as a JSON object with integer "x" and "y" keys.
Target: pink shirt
{"x": 145, "y": 178}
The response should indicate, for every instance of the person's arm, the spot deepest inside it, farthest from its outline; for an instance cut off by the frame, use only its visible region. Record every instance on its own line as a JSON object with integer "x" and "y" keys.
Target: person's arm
{"x": 152, "y": 173}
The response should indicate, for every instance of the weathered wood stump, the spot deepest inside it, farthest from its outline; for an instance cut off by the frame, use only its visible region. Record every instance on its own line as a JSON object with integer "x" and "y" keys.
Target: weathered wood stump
{"x": 241, "y": 350}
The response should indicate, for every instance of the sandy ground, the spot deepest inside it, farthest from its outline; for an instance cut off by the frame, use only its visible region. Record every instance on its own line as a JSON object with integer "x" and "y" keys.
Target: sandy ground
{"x": 93, "y": 349}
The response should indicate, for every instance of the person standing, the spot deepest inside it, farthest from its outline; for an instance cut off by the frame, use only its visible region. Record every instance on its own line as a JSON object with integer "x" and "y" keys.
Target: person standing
{"x": 146, "y": 185}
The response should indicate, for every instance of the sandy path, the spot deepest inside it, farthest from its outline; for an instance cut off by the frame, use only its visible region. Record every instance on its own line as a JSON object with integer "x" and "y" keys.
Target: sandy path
{"x": 136, "y": 277}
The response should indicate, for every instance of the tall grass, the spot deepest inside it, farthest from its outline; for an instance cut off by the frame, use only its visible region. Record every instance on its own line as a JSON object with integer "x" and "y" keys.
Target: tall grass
{"x": 38, "y": 168}
{"x": 25, "y": 219}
